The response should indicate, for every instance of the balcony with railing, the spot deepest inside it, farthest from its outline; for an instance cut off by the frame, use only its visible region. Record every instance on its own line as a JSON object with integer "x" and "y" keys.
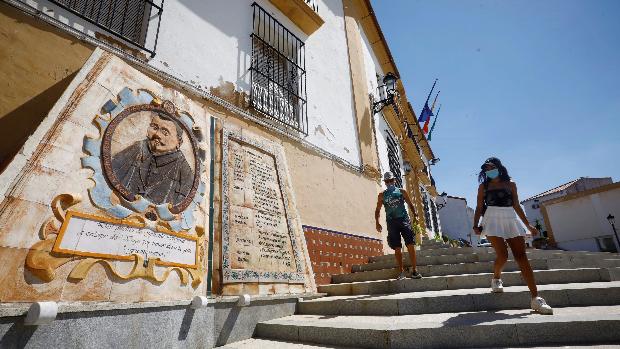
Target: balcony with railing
{"x": 131, "y": 21}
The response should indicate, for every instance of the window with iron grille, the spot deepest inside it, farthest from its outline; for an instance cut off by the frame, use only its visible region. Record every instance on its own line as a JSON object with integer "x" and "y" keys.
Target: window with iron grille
{"x": 125, "y": 19}
{"x": 427, "y": 213}
{"x": 434, "y": 216}
{"x": 393, "y": 159}
{"x": 278, "y": 72}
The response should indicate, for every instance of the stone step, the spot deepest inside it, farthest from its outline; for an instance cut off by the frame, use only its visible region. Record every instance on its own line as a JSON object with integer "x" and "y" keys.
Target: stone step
{"x": 388, "y": 261}
{"x": 476, "y": 268}
{"x": 571, "y": 325}
{"x": 468, "y": 281}
{"x": 450, "y": 301}
{"x": 259, "y": 343}
{"x": 489, "y": 250}
{"x": 433, "y": 245}
{"x": 440, "y": 270}
{"x": 436, "y": 252}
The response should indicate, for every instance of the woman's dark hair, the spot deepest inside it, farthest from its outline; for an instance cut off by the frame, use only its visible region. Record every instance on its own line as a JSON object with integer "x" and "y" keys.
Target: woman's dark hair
{"x": 503, "y": 172}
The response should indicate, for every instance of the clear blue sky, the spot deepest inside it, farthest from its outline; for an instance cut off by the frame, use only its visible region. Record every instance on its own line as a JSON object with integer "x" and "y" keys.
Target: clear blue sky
{"x": 535, "y": 83}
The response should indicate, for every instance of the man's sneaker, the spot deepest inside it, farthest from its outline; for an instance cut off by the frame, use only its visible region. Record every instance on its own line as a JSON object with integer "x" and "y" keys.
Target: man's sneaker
{"x": 415, "y": 274}
{"x": 539, "y": 305}
{"x": 402, "y": 275}
{"x": 497, "y": 286}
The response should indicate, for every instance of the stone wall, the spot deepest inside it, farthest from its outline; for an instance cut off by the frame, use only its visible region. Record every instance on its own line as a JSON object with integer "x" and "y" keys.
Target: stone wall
{"x": 36, "y": 66}
{"x": 68, "y": 231}
{"x": 327, "y": 194}
{"x": 142, "y": 325}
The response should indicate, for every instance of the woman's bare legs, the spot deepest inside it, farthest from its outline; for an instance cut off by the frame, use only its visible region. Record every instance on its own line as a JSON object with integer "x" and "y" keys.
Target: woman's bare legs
{"x": 517, "y": 245}
{"x": 501, "y": 255}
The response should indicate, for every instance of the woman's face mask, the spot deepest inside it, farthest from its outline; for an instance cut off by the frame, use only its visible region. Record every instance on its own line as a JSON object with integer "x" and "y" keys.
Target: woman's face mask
{"x": 492, "y": 174}
{"x": 391, "y": 186}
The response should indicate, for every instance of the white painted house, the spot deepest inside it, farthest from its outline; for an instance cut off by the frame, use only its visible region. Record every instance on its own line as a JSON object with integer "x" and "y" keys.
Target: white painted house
{"x": 578, "y": 221}
{"x": 532, "y": 205}
{"x": 457, "y": 220}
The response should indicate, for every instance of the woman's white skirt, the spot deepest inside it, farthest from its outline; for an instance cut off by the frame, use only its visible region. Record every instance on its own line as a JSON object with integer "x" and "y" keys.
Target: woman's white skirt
{"x": 501, "y": 222}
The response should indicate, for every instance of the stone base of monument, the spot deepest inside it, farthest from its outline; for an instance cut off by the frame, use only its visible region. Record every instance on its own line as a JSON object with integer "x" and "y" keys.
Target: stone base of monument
{"x": 142, "y": 325}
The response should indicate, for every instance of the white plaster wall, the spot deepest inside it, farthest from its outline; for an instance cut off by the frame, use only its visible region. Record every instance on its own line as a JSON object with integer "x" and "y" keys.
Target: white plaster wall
{"x": 372, "y": 69}
{"x": 454, "y": 219}
{"x": 371, "y": 65}
{"x": 206, "y": 43}
{"x": 582, "y": 184}
{"x": 577, "y": 222}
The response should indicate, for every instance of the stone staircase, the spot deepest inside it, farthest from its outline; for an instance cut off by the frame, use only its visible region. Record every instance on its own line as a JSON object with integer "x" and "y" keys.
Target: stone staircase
{"x": 452, "y": 307}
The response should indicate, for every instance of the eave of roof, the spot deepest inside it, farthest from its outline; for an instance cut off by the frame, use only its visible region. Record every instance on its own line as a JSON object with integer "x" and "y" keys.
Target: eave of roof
{"x": 553, "y": 190}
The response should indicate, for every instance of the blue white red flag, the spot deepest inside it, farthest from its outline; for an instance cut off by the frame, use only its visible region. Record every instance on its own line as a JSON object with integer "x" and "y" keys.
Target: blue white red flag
{"x": 426, "y": 113}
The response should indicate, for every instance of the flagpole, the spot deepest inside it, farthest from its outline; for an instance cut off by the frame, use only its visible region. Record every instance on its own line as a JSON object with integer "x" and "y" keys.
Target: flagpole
{"x": 437, "y": 95}
{"x": 430, "y": 93}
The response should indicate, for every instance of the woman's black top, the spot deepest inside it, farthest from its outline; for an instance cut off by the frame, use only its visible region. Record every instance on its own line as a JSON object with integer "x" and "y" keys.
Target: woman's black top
{"x": 501, "y": 197}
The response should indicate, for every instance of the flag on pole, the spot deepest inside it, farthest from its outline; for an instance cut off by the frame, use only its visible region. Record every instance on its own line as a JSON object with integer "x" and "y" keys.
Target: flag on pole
{"x": 426, "y": 113}
{"x": 434, "y": 122}
{"x": 428, "y": 120}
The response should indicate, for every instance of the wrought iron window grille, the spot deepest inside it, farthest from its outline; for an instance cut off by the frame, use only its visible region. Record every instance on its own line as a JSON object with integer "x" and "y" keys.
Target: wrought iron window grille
{"x": 427, "y": 214}
{"x": 434, "y": 217}
{"x": 278, "y": 73}
{"x": 128, "y": 20}
{"x": 393, "y": 160}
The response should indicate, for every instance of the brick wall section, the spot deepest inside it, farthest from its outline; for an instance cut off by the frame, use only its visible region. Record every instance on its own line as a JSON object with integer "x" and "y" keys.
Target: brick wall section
{"x": 333, "y": 252}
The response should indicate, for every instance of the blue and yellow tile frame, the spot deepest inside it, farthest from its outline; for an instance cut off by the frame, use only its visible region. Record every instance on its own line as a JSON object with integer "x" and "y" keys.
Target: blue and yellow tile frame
{"x": 177, "y": 216}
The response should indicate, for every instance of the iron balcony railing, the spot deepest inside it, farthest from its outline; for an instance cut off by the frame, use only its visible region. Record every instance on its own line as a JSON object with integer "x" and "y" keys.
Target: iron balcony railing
{"x": 278, "y": 72}
{"x": 128, "y": 20}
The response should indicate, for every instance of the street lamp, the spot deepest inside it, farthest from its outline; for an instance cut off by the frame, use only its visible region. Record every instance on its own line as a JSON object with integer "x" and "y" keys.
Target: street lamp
{"x": 612, "y": 220}
{"x": 387, "y": 91}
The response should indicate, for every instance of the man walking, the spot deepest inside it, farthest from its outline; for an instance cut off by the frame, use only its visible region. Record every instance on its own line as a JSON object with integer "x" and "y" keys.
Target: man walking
{"x": 398, "y": 223}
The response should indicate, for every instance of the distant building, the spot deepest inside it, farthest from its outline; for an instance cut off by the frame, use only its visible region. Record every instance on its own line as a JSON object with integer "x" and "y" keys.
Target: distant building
{"x": 578, "y": 221}
{"x": 457, "y": 219}
{"x": 532, "y": 204}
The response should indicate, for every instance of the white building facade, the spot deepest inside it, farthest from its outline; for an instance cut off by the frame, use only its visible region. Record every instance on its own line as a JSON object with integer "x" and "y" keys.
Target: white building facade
{"x": 578, "y": 221}
{"x": 305, "y": 72}
{"x": 457, "y": 220}
{"x": 210, "y": 44}
{"x": 532, "y": 205}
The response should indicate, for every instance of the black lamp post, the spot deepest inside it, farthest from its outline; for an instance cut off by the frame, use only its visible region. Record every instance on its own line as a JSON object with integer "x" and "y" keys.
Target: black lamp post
{"x": 387, "y": 91}
{"x": 612, "y": 220}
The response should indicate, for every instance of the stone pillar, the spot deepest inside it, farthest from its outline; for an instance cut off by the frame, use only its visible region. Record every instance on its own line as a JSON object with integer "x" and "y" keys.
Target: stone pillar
{"x": 361, "y": 102}
{"x": 413, "y": 189}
